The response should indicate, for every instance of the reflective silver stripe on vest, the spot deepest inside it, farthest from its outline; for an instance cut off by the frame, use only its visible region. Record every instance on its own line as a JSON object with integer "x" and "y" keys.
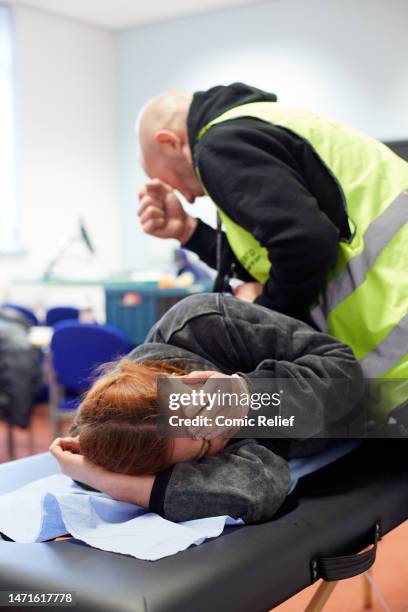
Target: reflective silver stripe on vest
{"x": 319, "y": 319}
{"x": 389, "y": 352}
{"x": 377, "y": 236}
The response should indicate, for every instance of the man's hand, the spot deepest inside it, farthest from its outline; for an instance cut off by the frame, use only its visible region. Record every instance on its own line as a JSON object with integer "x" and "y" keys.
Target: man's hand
{"x": 162, "y": 214}
{"x": 130, "y": 489}
{"x": 248, "y": 291}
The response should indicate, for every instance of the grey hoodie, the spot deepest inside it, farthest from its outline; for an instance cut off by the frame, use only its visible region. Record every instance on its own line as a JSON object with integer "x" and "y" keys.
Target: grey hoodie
{"x": 250, "y": 478}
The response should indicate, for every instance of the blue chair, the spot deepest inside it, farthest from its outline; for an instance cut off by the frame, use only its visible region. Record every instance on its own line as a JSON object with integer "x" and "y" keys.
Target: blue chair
{"x": 76, "y": 350}
{"x": 27, "y": 312}
{"x": 61, "y": 313}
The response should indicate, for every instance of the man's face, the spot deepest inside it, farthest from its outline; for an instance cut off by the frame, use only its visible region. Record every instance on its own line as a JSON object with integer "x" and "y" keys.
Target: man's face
{"x": 177, "y": 171}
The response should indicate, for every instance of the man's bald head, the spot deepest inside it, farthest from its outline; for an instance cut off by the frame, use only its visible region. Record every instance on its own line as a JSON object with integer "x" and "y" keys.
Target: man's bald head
{"x": 163, "y": 138}
{"x": 167, "y": 111}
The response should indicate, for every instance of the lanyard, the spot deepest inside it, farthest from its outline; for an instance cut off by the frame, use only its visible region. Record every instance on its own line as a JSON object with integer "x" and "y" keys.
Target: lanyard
{"x": 218, "y": 252}
{"x": 221, "y": 284}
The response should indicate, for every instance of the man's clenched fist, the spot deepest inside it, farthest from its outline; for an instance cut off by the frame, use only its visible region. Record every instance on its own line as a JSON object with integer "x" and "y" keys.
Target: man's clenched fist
{"x": 162, "y": 214}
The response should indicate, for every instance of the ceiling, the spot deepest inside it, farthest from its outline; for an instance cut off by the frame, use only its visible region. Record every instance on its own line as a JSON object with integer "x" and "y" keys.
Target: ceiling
{"x": 123, "y": 14}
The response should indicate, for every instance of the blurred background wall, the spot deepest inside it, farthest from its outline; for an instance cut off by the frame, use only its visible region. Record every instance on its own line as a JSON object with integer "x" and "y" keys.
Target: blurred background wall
{"x": 66, "y": 131}
{"x": 342, "y": 58}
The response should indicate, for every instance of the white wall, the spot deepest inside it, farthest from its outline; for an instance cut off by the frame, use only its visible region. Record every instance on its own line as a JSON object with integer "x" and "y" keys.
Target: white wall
{"x": 343, "y": 58}
{"x": 67, "y": 142}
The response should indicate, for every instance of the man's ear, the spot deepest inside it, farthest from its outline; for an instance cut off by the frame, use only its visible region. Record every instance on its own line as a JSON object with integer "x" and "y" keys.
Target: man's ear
{"x": 168, "y": 141}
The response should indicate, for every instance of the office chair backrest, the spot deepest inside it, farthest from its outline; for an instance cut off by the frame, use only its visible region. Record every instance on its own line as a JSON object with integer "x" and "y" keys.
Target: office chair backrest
{"x": 61, "y": 313}
{"x": 29, "y": 314}
{"x": 77, "y": 348}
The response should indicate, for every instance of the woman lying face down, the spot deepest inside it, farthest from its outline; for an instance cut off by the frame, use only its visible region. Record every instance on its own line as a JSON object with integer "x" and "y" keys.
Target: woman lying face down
{"x": 116, "y": 447}
{"x": 118, "y": 423}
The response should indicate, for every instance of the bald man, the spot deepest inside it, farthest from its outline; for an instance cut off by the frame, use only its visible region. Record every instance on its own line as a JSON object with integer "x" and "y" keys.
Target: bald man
{"x": 315, "y": 213}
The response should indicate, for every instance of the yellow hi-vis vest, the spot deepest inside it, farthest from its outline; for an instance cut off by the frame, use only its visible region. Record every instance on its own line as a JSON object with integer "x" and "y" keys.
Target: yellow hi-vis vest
{"x": 365, "y": 299}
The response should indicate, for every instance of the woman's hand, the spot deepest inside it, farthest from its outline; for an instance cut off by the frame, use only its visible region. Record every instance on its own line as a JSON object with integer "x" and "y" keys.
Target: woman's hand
{"x": 213, "y": 385}
{"x": 202, "y": 376}
{"x": 75, "y": 465}
{"x": 130, "y": 489}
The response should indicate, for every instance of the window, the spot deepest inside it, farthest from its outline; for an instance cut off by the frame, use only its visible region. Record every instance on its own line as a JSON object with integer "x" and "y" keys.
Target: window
{"x": 8, "y": 196}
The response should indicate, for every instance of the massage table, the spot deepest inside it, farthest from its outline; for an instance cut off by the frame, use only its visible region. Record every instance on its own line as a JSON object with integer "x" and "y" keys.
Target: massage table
{"x": 319, "y": 532}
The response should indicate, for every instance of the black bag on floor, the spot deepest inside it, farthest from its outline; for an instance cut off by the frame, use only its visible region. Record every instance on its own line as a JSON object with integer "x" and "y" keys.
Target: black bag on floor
{"x": 20, "y": 369}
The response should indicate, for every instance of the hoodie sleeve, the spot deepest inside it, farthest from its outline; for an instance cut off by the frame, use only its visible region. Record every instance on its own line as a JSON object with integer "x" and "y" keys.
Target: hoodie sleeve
{"x": 267, "y": 346}
{"x": 245, "y": 481}
{"x": 322, "y": 379}
{"x": 255, "y": 179}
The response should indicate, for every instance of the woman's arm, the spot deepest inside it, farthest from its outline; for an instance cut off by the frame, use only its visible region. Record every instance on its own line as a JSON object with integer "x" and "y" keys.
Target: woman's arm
{"x": 132, "y": 489}
{"x": 245, "y": 481}
{"x": 321, "y": 378}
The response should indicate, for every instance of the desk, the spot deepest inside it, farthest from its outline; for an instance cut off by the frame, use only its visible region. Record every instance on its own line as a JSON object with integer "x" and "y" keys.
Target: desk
{"x": 130, "y": 305}
{"x": 40, "y": 295}
{"x": 86, "y": 294}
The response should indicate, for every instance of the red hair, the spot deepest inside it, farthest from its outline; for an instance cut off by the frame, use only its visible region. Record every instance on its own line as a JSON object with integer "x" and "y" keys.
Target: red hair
{"x": 117, "y": 421}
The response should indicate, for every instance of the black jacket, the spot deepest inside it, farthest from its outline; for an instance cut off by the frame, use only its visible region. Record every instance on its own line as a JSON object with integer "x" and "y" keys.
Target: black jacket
{"x": 20, "y": 369}
{"x": 271, "y": 182}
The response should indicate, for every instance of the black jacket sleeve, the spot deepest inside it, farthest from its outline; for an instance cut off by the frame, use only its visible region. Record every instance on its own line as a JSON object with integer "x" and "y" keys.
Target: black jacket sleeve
{"x": 245, "y": 481}
{"x": 203, "y": 242}
{"x": 259, "y": 184}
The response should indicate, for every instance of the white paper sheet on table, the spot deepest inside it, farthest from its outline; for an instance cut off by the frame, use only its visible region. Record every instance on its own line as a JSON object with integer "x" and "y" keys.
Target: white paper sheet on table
{"x": 54, "y": 506}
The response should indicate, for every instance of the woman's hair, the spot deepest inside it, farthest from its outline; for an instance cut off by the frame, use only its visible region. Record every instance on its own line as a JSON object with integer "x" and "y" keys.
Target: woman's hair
{"x": 117, "y": 421}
